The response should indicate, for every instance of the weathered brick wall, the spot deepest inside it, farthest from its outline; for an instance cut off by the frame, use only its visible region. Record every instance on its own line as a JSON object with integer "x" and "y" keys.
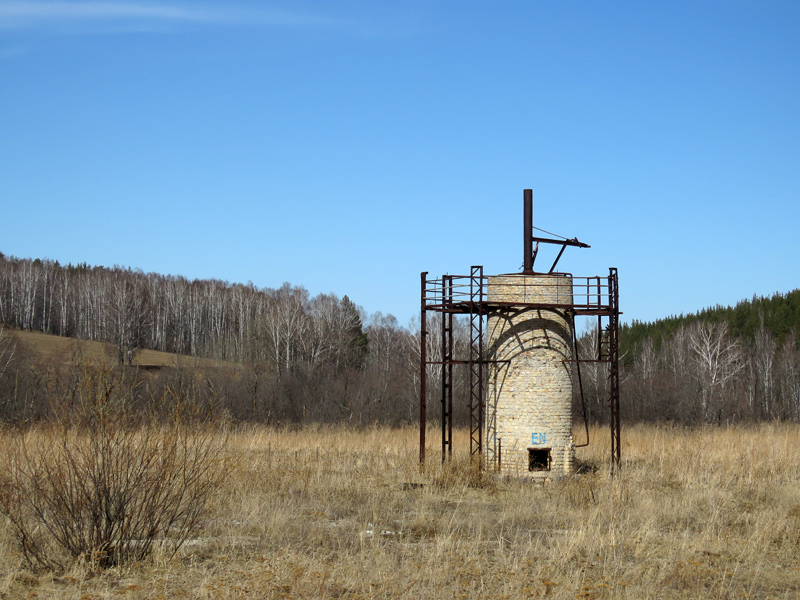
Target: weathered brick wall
{"x": 529, "y": 398}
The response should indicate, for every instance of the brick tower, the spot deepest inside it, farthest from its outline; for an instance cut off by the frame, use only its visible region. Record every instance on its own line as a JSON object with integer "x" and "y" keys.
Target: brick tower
{"x": 529, "y": 400}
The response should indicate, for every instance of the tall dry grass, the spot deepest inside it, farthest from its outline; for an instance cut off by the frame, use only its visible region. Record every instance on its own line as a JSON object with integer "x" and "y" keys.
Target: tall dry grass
{"x": 337, "y": 513}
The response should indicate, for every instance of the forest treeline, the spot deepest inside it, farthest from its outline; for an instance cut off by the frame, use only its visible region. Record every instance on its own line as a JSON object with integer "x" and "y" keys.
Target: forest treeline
{"x": 720, "y": 365}
{"x": 298, "y": 357}
{"x": 287, "y": 356}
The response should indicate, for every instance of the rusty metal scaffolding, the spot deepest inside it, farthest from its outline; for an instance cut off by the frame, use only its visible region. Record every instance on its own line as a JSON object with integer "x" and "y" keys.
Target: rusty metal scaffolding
{"x": 466, "y": 295}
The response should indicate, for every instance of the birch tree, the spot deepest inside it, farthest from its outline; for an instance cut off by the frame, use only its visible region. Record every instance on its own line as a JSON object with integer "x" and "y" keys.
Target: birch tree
{"x": 717, "y": 358}
{"x": 763, "y": 359}
{"x": 788, "y": 367}
{"x": 284, "y": 325}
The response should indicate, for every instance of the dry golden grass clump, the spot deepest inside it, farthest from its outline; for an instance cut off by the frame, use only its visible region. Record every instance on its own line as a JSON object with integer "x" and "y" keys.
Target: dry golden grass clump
{"x": 338, "y": 513}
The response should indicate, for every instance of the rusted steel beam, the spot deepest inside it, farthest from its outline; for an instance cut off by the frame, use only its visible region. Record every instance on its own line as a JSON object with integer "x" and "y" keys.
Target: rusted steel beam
{"x": 447, "y": 373}
{"x": 476, "y": 362}
{"x": 423, "y": 369}
{"x": 572, "y": 242}
{"x": 555, "y": 262}
{"x": 527, "y": 200}
{"x": 613, "y": 375}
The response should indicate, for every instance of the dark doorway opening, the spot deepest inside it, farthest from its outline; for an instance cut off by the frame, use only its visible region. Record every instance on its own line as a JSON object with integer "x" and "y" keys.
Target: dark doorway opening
{"x": 539, "y": 459}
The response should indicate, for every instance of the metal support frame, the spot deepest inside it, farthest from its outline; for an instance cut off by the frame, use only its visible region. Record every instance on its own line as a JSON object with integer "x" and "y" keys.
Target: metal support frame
{"x": 613, "y": 369}
{"x": 454, "y": 295}
{"x": 476, "y": 397}
{"x": 529, "y": 252}
{"x": 423, "y": 369}
{"x": 465, "y": 295}
{"x": 447, "y": 372}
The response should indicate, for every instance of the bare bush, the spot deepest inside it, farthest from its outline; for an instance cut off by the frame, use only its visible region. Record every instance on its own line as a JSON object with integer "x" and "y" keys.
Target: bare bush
{"x": 105, "y": 485}
{"x": 7, "y": 350}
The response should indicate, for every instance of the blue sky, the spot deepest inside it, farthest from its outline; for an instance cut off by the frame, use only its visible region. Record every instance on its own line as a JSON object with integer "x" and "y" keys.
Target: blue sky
{"x": 347, "y": 146}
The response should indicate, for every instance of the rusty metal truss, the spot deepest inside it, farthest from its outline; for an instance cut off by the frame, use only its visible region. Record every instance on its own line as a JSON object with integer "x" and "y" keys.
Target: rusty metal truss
{"x": 451, "y": 295}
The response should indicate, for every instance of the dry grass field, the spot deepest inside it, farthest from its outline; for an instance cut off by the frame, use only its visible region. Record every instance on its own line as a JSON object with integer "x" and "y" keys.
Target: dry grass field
{"x": 337, "y": 513}
{"x": 61, "y": 350}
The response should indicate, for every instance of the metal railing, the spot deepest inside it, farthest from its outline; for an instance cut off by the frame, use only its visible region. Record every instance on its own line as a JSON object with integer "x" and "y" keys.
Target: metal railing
{"x": 454, "y": 291}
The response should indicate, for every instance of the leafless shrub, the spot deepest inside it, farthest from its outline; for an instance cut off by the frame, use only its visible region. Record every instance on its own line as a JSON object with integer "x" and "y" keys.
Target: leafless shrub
{"x": 7, "y": 350}
{"x": 104, "y": 485}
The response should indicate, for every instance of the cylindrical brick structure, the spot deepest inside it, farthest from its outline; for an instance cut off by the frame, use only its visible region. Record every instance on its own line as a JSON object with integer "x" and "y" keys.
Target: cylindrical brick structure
{"x": 529, "y": 402}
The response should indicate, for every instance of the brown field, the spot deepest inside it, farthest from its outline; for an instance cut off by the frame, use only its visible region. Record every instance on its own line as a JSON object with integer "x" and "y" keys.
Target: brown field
{"x": 330, "y": 513}
{"x": 62, "y": 350}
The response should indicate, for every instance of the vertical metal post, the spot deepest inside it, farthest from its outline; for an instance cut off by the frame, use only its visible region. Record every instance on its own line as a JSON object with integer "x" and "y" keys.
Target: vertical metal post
{"x": 443, "y": 374}
{"x": 423, "y": 368}
{"x": 450, "y": 358}
{"x": 476, "y": 401}
{"x": 527, "y": 200}
{"x": 599, "y": 321}
{"x": 613, "y": 370}
{"x": 447, "y": 367}
{"x": 500, "y": 455}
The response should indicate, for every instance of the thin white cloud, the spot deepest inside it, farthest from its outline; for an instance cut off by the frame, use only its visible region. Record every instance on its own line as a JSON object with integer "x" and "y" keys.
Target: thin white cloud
{"x": 31, "y": 14}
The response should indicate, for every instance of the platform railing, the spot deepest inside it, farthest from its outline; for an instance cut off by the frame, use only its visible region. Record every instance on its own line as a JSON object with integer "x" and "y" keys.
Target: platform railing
{"x": 450, "y": 291}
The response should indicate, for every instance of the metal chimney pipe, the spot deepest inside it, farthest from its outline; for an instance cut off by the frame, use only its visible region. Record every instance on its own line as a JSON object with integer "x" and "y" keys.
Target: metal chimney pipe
{"x": 528, "y": 237}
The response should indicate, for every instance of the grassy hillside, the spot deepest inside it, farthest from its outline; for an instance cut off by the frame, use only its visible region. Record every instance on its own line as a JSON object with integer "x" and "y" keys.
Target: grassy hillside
{"x": 62, "y": 350}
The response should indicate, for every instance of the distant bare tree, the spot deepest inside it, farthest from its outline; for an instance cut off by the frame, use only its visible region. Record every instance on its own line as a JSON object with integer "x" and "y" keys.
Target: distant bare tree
{"x": 717, "y": 357}
{"x": 646, "y": 361}
{"x": 387, "y": 341}
{"x": 245, "y": 304}
{"x": 28, "y": 289}
{"x": 593, "y": 374}
{"x": 155, "y": 288}
{"x": 65, "y": 301}
{"x": 126, "y": 307}
{"x": 788, "y": 367}
{"x": 763, "y": 359}
{"x": 325, "y": 325}
{"x": 285, "y": 324}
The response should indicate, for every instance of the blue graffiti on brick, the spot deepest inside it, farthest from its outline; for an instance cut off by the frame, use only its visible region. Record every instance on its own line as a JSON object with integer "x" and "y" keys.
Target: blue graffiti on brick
{"x": 538, "y": 438}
